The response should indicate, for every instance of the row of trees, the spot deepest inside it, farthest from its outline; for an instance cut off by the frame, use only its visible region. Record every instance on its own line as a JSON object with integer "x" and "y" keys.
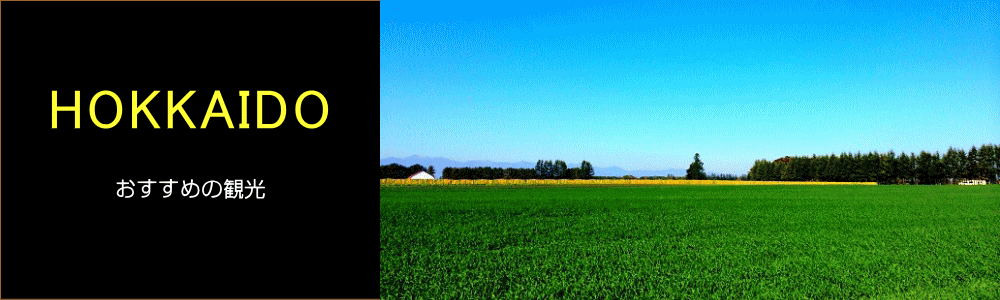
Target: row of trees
{"x": 487, "y": 173}
{"x": 711, "y": 176}
{"x": 397, "y": 171}
{"x": 547, "y": 169}
{"x": 544, "y": 169}
{"x": 885, "y": 168}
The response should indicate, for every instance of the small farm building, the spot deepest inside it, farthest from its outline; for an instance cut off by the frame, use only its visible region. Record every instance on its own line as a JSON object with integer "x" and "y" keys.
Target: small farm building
{"x": 973, "y": 182}
{"x": 421, "y": 176}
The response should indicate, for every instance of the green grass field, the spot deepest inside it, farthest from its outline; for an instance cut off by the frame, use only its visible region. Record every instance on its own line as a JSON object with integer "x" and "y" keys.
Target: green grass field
{"x": 690, "y": 242}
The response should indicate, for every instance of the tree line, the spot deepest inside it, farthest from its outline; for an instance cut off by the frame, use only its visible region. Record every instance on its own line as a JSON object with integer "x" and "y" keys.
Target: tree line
{"x": 711, "y": 176}
{"x": 544, "y": 169}
{"x": 955, "y": 165}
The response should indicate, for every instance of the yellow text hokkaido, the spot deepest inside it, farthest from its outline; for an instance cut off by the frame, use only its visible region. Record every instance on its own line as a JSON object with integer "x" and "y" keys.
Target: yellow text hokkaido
{"x": 178, "y": 108}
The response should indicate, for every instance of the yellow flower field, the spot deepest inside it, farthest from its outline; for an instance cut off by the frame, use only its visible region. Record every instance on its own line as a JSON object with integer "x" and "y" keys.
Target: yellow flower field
{"x": 604, "y": 182}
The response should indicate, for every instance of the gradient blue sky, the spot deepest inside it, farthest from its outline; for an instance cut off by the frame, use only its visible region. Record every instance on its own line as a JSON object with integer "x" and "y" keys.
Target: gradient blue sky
{"x": 644, "y": 85}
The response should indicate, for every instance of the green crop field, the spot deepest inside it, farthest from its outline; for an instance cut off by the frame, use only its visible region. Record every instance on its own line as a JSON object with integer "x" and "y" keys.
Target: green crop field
{"x": 689, "y": 242}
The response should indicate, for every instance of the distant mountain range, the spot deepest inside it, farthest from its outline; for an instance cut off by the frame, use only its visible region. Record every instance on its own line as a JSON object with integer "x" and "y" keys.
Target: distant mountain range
{"x": 440, "y": 163}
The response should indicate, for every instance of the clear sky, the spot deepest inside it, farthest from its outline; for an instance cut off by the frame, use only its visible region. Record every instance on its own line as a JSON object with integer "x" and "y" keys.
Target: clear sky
{"x": 645, "y": 84}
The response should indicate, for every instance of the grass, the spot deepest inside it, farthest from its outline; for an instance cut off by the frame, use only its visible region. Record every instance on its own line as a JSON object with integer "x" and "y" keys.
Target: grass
{"x": 689, "y": 242}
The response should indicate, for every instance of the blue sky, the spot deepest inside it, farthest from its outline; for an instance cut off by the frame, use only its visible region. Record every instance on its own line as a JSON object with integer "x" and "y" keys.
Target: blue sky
{"x": 644, "y": 85}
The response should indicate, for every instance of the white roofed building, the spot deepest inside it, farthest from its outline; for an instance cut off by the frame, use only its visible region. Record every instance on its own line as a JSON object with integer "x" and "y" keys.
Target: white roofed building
{"x": 973, "y": 182}
{"x": 421, "y": 176}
